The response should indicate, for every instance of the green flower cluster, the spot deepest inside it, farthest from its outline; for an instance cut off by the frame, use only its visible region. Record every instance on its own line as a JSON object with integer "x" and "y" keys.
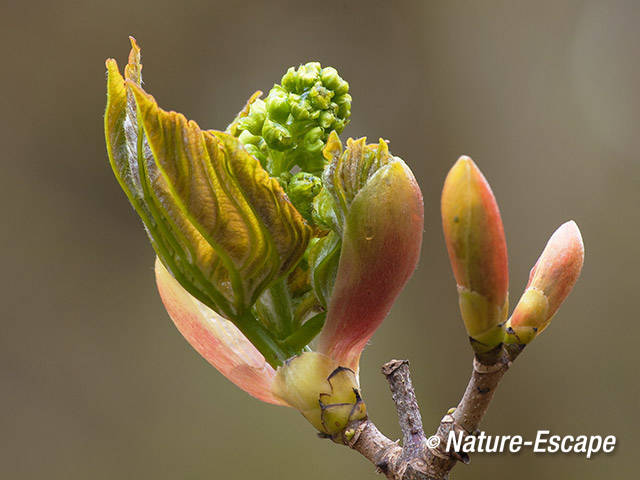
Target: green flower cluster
{"x": 287, "y": 132}
{"x": 302, "y": 188}
{"x": 291, "y": 125}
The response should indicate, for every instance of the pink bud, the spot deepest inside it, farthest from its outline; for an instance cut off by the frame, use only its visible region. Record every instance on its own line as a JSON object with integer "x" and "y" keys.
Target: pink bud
{"x": 550, "y": 281}
{"x": 559, "y": 266}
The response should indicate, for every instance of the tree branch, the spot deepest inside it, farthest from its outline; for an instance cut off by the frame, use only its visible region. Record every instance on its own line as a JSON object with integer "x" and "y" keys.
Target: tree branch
{"x": 467, "y": 415}
{"x": 364, "y": 437}
{"x": 416, "y": 460}
{"x": 399, "y": 378}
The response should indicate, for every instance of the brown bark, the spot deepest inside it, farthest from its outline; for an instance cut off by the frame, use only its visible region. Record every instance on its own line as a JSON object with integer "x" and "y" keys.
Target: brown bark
{"x": 416, "y": 459}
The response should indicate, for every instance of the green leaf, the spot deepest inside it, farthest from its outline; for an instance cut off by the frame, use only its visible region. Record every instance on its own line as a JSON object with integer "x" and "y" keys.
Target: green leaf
{"x": 120, "y": 130}
{"x": 274, "y": 309}
{"x": 128, "y": 148}
{"x": 224, "y": 229}
{"x": 242, "y": 230}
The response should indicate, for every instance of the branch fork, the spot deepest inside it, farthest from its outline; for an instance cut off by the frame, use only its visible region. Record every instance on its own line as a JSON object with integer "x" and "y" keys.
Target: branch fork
{"x": 416, "y": 459}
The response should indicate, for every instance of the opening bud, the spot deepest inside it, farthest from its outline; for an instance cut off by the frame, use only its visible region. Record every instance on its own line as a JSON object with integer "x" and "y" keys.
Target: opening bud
{"x": 379, "y": 207}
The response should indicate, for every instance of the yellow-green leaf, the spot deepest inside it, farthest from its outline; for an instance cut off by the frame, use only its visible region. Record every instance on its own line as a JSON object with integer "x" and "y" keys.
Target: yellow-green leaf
{"x": 221, "y": 225}
{"x": 242, "y": 230}
{"x": 324, "y": 256}
{"x": 127, "y": 148}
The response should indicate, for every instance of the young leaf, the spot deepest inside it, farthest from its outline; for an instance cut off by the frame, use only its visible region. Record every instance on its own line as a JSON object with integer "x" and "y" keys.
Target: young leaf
{"x": 219, "y": 223}
{"x": 211, "y": 182}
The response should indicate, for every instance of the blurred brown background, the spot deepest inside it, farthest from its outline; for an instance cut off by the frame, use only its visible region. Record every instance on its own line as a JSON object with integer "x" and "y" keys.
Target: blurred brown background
{"x": 545, "y": 96}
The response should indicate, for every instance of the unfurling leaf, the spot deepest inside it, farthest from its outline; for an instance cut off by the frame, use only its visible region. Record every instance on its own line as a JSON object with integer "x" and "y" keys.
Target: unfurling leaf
{"x": 477, "y": 249}
{"x": 220, "y": 224}
{"x": 212, "y": 188}
{"x": 234, "y": 127}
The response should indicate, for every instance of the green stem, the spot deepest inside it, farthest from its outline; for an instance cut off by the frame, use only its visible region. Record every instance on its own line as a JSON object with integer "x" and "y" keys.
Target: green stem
{"x": 274, "y": 309}
{"x": 307, "y": 332}
{"x": 282, "y": 307}
{"x": 260, "y": 337}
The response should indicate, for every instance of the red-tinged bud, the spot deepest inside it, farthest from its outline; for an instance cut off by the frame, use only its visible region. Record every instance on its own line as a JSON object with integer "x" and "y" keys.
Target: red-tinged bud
{"x": 477, "y": 249}
{"x": 382, "y": 235}
{"x": 551, "y": 279}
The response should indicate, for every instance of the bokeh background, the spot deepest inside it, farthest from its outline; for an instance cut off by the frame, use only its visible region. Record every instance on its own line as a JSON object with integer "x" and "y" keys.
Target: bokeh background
{"x": 95, "y": 382}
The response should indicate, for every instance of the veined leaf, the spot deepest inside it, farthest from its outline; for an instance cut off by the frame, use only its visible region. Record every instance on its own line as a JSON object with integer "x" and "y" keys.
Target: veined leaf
{"x": 120, "y": 133}
{"x": 212, "y": 189}
{"x": 127, "y": 148}
{"x": 219, "y": 223}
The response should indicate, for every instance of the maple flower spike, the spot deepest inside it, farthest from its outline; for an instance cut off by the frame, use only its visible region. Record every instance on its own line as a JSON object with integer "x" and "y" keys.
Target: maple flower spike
{"x": 270, "y": 233}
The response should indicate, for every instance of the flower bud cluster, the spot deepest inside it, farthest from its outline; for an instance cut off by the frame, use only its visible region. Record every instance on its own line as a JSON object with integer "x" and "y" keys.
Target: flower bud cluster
{"x": 291, "y": 125}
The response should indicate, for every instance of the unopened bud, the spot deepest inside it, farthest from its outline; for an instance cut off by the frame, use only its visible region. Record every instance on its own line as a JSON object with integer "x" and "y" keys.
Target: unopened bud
{"x": 301, "y": 189}
{"x": 550, "y": 282}
{"x": 478, "y": 253}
